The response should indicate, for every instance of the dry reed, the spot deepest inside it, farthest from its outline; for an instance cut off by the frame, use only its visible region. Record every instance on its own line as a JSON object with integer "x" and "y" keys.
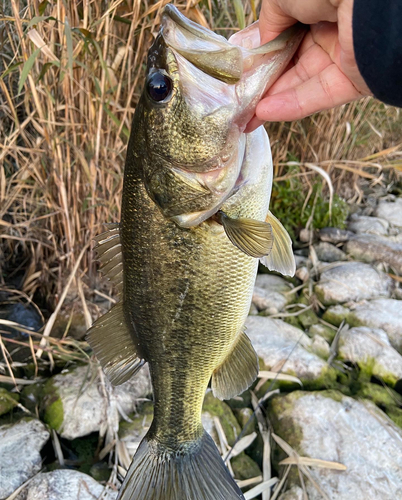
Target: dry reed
{"x": 71, "y": 76}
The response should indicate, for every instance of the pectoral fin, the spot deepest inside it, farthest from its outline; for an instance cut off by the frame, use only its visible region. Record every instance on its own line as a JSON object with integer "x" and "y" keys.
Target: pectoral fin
{"x": 281, "y": 257}
{"x": 252, "y": 237}
{"x": 114, "y": 346}
{"x": 237, "y": 372}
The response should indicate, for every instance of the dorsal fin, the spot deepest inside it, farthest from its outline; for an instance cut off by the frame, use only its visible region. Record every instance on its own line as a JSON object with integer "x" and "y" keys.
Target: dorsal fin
{"x": 113, "y": 344}
{"x": 111, "y": 336}
{"x": 108, "y": 250}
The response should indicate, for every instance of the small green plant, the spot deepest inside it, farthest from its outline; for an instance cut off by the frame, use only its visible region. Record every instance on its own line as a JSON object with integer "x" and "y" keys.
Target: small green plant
{"x": 294, "y": 206}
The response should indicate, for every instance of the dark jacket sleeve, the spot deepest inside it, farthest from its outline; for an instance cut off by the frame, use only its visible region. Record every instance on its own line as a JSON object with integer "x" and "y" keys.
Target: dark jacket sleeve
{"x": 377, "y": 40}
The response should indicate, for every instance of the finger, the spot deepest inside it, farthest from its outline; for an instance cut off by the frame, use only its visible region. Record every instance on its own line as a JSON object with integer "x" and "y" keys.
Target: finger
{"x": 326, "y": 90}
{"x": 311, "y": 63}
{"x": 253, "y": 124}
{"x": 277, "y": 15}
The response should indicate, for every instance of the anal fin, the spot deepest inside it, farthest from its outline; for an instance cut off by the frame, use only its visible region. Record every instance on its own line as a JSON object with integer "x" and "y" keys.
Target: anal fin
{"x": 281, "y": 257}
{"x": 252, "y": 237}
{"x": 113, "y": 345}
{"x": 237, "y": 372}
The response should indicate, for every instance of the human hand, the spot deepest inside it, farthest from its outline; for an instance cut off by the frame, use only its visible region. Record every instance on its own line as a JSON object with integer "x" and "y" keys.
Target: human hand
{"x": 323, "y": 73}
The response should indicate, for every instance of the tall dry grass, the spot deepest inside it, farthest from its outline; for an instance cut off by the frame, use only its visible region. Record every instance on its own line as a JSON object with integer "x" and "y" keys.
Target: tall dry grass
{"x": 71, "y": 76}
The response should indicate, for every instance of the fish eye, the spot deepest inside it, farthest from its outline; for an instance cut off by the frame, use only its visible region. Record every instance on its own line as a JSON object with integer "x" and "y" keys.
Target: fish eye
{"x": 159, "y": 86}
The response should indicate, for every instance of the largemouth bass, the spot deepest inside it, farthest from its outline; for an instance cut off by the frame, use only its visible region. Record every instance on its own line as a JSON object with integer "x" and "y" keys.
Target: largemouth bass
{"x": 194, "y": 223}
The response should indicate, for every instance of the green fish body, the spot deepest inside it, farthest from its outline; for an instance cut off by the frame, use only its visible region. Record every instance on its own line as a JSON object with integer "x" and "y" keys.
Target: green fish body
{"x": 194, "y": 221}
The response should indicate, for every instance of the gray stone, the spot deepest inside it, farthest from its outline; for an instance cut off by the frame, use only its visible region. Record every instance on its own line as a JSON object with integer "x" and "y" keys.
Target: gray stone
{"x": 333, "y": 427}
{"x": 385, "y": 314}
{"x": 362, "y": 224}
{"x": 351, "y": 281}
{"x": 20, "y": 459}
{"x": 371, "y": 350}
{"x": 295, "y": 493}
{"x": 284, "y": 347}
{"x": 64, "y": 484}
{"x": 79, "y": 402}
{"x": 306, "y": 235}
{"x": 391, "y": 211}
{"x": 335, "y": 235}
{"x": 326, "y": 252}
{"x": 372, "y": 248}
{"x": 270, "y": 293}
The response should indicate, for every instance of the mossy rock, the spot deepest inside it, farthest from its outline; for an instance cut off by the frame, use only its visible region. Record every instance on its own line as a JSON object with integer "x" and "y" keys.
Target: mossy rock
{"x": 294, "y": 321}
{"x": 309, "y": 317}
{"x": 244, "y": 467}
{"x": 8, "y": 401}
{"x": 336, "y": 314}
{"x": 243, "y": 416}
{"x": 100, "y": 471}
{"x": 140, "y": 420}
{"x": 395, "y": 414}
{"x": 326, "y": 332}
{"x": 31, "y": 396}
{"x": 217, "y": 408}
{"x": 53, "y": 413}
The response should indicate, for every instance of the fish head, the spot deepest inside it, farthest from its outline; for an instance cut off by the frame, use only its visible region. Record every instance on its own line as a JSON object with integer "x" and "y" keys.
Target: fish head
{"x": 200, "y": 92}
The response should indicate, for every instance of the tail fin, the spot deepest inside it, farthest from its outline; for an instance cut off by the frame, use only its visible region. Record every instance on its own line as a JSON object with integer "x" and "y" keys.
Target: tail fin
{"x": 194, "y": 472}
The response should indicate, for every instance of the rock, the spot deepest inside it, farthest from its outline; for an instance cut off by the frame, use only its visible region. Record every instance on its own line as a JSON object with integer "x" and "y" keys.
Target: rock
{"x": 335, "y": 235}
{"x": 372, "y": 248}
{"x": 26, "y": 315}
{"x": 269, "y": 294}
{"x": 295, "y": 493}
{"x": 320, "y": 346}
{"x": 20, "y": 459}
{"x": 371, "y": 350}
{"x": 391, "y": 211}
{"x": 303, "y": 274}
{"x": 8, "y": 401}
{"x": 323, "y": 331}
{"x": 329, "y": 426}
{"x": 326, "y": 252}
{"x": 306, "y": 235}
{"x": 379, "y": 313}
{"x": 351, "y": 281}
{"x": 64, "y": 484}
{"x": 131, "y": 433}
{"x": 244, "y": 467}
{"x": 75, "y": 403}
{"x": 362, "y": 224}
{"x": 213, "y": 407}
{"x": 282, "y": 346}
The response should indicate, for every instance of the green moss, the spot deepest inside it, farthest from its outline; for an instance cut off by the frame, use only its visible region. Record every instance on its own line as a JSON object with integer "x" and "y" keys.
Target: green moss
{"x": 288, "y": 204}
{"x": 243, "y": 416}
{"x": 244, "y": 467}
{"x": 381, "y": 396}
{"x": 336, "y": 314}
{"x": 309, "y": 317}
{"x": 294, "y": 321}
{"x": 325, "y": 331}
{"x": 217, "y": 408}
{"x": 395, "y": 414}
{"x": 8, "y": 401}
{"x": 52, "y": 406}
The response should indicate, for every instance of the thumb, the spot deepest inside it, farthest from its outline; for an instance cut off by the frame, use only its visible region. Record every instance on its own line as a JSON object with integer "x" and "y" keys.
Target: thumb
{"x": 273, "y": 20}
